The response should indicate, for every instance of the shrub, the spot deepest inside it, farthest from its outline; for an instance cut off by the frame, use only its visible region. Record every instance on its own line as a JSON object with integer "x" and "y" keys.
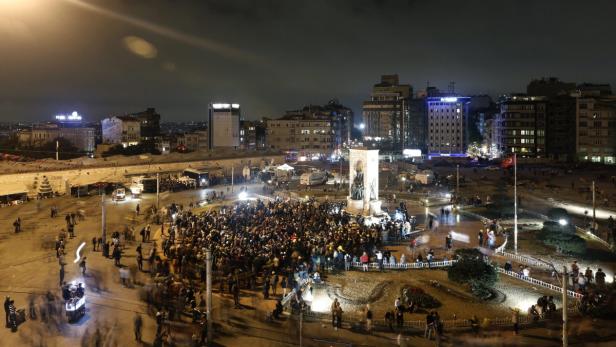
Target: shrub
{"x": 563, "y": 238}
{"x": 472, "y": 270}
{"x": 419, "y": 298}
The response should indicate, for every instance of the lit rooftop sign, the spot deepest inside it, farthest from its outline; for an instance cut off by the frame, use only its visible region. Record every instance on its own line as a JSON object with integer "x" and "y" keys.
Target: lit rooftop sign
{"x": 219, "y": 106}
{"x": 71, "y": 117}
{"x": 449, "y": 99}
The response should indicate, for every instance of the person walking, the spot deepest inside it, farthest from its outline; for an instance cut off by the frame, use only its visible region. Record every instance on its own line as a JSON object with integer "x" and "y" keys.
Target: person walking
{"x": 137, "y": 323}
{"x": 334, "y": 307}
{"x": 429, "y": 326}
{"x": 94, "y": 244}
{"x": 61, "y": 274}
{"x": 137, "y": 209}
{"x": 283, "y": 285}
{"x": 515, "y": 320}
{"x": 235, "y": 289}
{"x": 7, "y": 303}
{"x": 368, "y": 319}
{"x": 148, "y": 232}
{"x": 82, "y": 265}
{"x": 12, "y": 316}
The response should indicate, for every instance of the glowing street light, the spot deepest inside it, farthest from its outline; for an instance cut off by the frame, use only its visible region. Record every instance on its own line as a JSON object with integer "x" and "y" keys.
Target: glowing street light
{"x": 562, "y": 222}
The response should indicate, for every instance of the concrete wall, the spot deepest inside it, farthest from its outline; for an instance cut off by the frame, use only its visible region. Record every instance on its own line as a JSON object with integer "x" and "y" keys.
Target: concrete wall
{"x": 62, "y": 180}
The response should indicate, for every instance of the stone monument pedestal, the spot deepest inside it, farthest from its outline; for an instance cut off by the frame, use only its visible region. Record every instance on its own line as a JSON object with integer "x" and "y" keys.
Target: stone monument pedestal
{"x": 363, "y": 196}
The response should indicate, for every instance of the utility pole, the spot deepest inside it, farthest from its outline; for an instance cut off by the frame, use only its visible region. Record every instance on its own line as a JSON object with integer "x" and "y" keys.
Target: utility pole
{"x": 208, "y": 295}
{"x": 515, "y": 203}
{"x": 457, "y": 182}
{"x": 232, "y": 178}
{"x": 301, "y": 321}
{"x": 103, "y": 219}
{"x": 57, "y": 150}
{"x": 565, "y": 338}
{"x": 157, "y": 191}
{"x": 594, "y": 209}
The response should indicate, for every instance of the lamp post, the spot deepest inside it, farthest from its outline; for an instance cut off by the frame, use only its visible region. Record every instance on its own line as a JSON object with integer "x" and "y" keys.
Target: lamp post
{"x": 208, "y": 295}
{"x": 103, "y": 219}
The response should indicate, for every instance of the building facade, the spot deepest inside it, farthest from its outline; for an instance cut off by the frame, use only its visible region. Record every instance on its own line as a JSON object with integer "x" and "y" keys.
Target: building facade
{"x": 596, "y": 129}
{"x": 560, "y": 130}
{"x": 414, "y": 132}
{"x": 149, "y": 123}
{"x": 224, "y": 125}
{"x": 447, "y": 133}
{"x": 521, "y": 126}
{"x": 385, "y": 113}
{"x": 252, "y": 135}
{"x": 122, "y": 130}
{"x": 300, "y": 135}
{"x": 83, "y": 138}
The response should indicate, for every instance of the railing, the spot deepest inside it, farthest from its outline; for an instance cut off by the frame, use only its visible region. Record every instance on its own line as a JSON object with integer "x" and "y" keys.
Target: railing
{"x": 501, "y": 248}
{"x": 592, "y": 236}
{"x": 422, "y": 265}
{"x": 523, "y": 319}
{"x": 527, "y": 260}
{"x": 540, "y": 283}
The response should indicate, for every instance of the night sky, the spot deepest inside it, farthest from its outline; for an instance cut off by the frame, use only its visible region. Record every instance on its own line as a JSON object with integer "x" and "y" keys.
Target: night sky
{"x": 117, "y": 56}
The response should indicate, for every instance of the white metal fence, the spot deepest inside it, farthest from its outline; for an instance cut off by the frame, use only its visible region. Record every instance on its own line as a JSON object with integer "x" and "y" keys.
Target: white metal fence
{"x": 540, "y": 283}
{"x": 404, "y": 266}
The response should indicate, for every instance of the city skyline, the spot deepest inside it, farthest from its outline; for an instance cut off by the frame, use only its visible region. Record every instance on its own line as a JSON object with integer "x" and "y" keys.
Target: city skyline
{"x": 179, "y": 57}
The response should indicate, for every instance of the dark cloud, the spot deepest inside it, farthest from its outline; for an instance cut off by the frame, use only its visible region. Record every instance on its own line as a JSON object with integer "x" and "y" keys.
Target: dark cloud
{"x": 274, "y": 55}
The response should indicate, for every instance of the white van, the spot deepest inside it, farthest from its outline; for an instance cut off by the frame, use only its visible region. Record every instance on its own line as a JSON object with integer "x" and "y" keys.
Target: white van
{"x": 313, "y": 178}
{"x": 119, "y": 194}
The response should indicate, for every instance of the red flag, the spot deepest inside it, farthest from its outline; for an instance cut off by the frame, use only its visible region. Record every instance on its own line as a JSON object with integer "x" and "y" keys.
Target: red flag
{"x": 508, "y": 162}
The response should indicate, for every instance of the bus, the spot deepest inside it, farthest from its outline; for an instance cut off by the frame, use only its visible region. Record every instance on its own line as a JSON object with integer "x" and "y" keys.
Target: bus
{"x": 201, "y": 176}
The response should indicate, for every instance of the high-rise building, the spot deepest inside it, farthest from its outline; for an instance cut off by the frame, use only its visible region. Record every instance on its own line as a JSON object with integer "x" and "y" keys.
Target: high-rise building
{"x": 560, "y": 130}
{"x": 447, "y": 133}
{"x": 385, "y": 114}
{"x": 414, "y": 131}
{"x": 521, "y": 126}
{"x": 596, "y": 129}
{"x": 224, "y": 125}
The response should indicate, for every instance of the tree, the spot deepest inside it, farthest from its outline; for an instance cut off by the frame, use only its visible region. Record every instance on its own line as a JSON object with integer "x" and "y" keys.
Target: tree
{"x": 472, "y": 270}
{"x": 502, "y": 204}
{"x": 141, "y": 148}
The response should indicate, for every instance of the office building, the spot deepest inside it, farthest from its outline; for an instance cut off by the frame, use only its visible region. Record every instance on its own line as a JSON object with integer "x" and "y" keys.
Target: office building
{"x": 302, "y": 136}
{"x": 447, "y": 133}
{"x": 385, "y": 113}
{"x": 521, "y": 126}
{"x": 560, "y": 130}
{"x": 224, "y": 125}
{"x": 596, "y": 129}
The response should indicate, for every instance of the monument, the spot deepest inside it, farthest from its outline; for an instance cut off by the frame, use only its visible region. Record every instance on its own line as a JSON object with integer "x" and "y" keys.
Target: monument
{"x": 363, "y": 196}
